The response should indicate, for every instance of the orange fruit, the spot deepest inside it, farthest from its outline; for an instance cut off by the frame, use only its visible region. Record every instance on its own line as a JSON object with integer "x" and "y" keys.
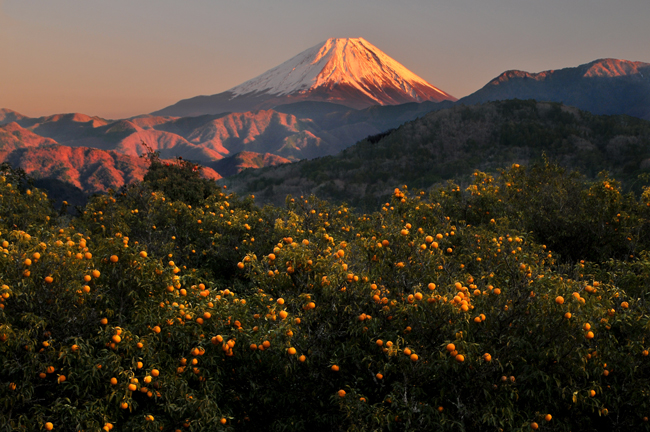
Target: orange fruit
{"x": 341, "y": 393}
{"x": 379, "y": 342}
{"x": 451, "y": 347}
{"x": 592, "y": 393}
{"x": 280, "y": 301}
{"x": 302, "y": 358}
{"x": 96, "y": 273}
{"x": 132, "y": 387}
{"x": 49, "y": 426}
{"x": 534, "y": 426}
{"x": 379, "y": 376}
{"x": 49, "y": 279}
{"x": 156, "y": 329}
{"x": 589, "y": 335}
{"x": 61, "y": 379}
{"x": 114, "y": 258}
{"x": 559, "y": 300}
{"x": 414, "y": 357}
{"x": 548, "y": 417}
{"x": 266, "y": 344}
{"x": 155, "y": 372}
{"x": 223, "y": 420}
{"x": 283, "y": 314}
{"x": 114, "y": 381}
{"x": 117, "y": 338}
{"x": 460, "y": 358}
{"x": 291, "y": 351}
{"x": 335, "y": 368}
{"x": 143, "y": 254}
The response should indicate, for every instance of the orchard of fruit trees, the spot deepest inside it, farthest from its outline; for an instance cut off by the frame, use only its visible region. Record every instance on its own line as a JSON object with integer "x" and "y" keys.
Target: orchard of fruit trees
{"x": 517, "y": 302}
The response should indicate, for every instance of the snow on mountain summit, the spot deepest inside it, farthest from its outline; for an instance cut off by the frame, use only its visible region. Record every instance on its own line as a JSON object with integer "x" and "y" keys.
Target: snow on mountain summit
{"x": 351, "y": 62}
{"x": 350, "y": 72}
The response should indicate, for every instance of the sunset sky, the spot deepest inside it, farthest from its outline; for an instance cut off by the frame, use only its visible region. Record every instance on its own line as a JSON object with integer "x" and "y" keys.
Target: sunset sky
{"x": 119, "y": 58}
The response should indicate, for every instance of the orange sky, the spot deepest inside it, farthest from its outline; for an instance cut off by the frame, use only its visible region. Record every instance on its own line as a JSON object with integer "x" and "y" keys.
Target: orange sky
{"x": 122, "y": 58}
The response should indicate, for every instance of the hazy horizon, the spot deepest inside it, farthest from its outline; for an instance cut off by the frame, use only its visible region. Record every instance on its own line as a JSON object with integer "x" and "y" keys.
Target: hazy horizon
{"x": 122, "y": 59}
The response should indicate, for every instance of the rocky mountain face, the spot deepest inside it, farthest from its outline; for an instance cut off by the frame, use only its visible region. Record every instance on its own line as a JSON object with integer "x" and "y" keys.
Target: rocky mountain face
{"x": 606, "y": 86}
{"x": 347, "y": 71}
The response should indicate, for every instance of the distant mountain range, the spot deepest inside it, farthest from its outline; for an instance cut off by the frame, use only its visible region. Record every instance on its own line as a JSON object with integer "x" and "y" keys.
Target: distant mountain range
{"x": 349, "y": 71}
{"x": 316, "y": 104}
{"x": 606, "y": 86}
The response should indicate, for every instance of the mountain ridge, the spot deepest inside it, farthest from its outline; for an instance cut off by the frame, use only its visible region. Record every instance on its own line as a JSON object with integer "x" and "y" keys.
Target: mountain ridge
{"x": 347, "y": 71}
{"x": 604, "y": 86}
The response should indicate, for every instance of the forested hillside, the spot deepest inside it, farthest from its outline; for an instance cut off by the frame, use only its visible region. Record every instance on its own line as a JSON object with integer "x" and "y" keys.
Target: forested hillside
{"x": 452, "y": 143}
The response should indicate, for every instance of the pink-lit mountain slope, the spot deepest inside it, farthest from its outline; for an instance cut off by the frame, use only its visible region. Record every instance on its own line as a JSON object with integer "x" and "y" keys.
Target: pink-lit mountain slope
{"x": 13, "y": 136}
{"x": 348, "y": 71}
{"x": 8, "y": 116}
{"x": 88, "y": 169}
{"x": 606, "y": 86}
{"x": 209, "y": 138}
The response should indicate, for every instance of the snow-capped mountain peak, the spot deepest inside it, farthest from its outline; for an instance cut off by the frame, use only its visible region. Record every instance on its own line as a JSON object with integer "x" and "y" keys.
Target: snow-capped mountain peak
{"x": 350, "y": 72}
{"x": 351, "y": 62}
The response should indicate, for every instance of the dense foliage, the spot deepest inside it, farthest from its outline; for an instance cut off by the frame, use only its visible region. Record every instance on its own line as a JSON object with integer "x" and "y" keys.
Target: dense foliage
{"x": 450, "y": 311}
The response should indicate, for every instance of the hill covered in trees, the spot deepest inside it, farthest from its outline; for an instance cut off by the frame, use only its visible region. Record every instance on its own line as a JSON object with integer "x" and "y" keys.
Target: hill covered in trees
{"x": 518, "y": 302}
{"x": 452, "y": 143}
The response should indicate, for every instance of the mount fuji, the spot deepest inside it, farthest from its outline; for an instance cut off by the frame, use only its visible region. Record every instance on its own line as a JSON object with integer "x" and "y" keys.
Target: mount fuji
{"x": 347, "y": 71}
